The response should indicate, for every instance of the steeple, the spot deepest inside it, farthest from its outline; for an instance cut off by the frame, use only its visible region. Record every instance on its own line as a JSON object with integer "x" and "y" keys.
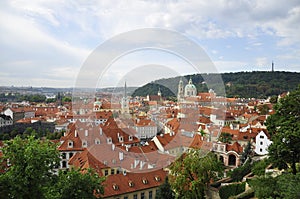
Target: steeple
{"x": 159, "y": 92}
{"x": 180, "y": 90}
{"x": 125, "y": 90}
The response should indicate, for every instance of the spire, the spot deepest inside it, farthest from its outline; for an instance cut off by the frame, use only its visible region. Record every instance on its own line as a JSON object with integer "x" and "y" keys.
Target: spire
{"x": 272, "y": 66}
{"x": 159, "y": 92}
{"x": 125, "y": 90}
{"x": 190, "y": 81}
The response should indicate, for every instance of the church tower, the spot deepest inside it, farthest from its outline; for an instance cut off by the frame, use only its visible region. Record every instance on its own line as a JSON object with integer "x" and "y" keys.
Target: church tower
{"x": 125, "y": 102}
{"x": 180, "y": 90}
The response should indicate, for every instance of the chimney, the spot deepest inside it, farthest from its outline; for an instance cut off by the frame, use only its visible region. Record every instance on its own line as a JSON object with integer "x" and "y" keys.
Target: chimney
{"x": 113, "y": 147}
{"x": 86, "y": 132}
{"x": 121, "y": 156}
{"x": 76, "y": 134}
{"x": 101, "y": 133}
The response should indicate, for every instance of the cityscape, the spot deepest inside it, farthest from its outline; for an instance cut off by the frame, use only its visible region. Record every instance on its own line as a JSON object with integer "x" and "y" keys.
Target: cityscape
{"x": 205, "y": 107}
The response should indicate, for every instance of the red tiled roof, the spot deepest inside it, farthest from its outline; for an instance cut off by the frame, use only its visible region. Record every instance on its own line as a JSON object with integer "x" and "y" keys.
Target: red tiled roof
{"x": 118, "y": 184}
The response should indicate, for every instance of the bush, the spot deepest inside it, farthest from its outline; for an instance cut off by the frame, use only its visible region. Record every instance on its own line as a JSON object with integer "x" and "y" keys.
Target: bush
{"x": 231, "y": 190}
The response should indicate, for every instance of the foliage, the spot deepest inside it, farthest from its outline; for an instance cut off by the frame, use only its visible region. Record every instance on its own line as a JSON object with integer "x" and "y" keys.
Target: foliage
{"x": 32, "y": 163}
{"x": 238, "y": 173}
{"x": 247, "y": 152}
{"x": 284, "y": 126}
{"x": 289, "y": 186}
{"x": 259, "y": 167}
{"x": 152, "y": 89}
{"x": 284, "y": 186}
{"x": 225, "y": 137}
{"x": 264, "y": 187}
{"x": 257, "y": 84}
{"x": 77, "y": 185}
{"x": 30, "y": 173}
{"x": 231, "y": 190}
{"x": 165, "y": 191}
{"x": 66, "y": 99}
{"x": 192, "y": 172}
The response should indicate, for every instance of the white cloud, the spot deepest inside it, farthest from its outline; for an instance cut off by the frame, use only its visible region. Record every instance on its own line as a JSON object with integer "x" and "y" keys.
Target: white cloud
{"x": 46, "y": 35}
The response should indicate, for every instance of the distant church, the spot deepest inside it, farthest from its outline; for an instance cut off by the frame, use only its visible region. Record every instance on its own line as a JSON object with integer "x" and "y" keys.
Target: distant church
{"x": 190, "y": 90}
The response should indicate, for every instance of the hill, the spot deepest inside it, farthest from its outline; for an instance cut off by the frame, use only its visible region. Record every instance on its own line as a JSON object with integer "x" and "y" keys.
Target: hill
{"x": 257, "y": 84}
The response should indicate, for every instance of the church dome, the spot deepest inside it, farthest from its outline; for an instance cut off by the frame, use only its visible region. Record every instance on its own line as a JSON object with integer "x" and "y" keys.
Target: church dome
{"x": 190, "y": 89}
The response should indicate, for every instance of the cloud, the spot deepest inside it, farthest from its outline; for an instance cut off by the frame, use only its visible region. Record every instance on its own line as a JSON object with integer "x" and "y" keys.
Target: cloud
{"x": 57, "y": 36}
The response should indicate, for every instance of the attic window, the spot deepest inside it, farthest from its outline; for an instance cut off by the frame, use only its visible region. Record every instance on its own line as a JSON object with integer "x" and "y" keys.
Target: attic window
{"x": 70, "y": 144}
{"x": 97, "y": 141}
{"x": 115, "y": 187}
{"x": 84, "y": 143}
{"x": 157, "y": 178}
{"x": 130, "y": 138}
{"x": 145, "y": 181}
{"x": 130, "y": 183}
{"x": 109, "y": 141}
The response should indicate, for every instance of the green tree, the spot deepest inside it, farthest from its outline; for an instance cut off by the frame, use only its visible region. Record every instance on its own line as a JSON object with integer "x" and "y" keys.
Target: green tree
{"x": 192, "y": 172}
{"x": 284, "y": 126}
{"x": 265, "y": 187}
{"x": 165, "y": 191}
{"x": 225, "y": 137}
{"x": 76, "y": 184}
{"x": 30, "y": 173}
{"x": 31, "y": 167}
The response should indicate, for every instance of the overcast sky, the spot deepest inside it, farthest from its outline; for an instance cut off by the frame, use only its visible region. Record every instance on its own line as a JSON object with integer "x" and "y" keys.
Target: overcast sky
{"x": 45, "y": 43}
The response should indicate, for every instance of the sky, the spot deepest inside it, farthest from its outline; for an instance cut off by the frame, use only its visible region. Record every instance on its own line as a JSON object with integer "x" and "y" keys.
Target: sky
{"x": 45, "y": 43}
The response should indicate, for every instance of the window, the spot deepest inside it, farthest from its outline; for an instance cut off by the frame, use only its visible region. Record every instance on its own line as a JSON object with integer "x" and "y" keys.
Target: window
{"x": 97, "y": 141}
{"x": 112, "y": 172}
{"x": 84, "y": 143}
{"x": 135, "y": 196}
{"x": 125, "y": 197}
{"x": 70, "y": 144}
{"x": 142, "y": 195}
{"x": 70, "y": 155}
{"x": 260, "y": 150}
{"x": 261, "y": 137}
{"x": 261, "y": 143}
{"x": 106, "y": 172}
{"x": 150, "y": 194}
{"x": 63, "y": 156}
{"x": 64, "y": 164}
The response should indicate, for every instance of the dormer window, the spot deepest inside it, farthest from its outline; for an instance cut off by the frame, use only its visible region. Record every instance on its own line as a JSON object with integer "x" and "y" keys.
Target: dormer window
{"x": 70, "y": 144}
{"x": 84, "y": 144}
{"x": 109, "y": 140}
{"x": 115, "y": 186}
{"x": 157, "y": 178}
{"x": 121, "y": 139}
{"x": 130, "y": 183}
{"x": 145, "y": 181}
{"x": 130, "y": 138}
{"x": 97, "y": 141}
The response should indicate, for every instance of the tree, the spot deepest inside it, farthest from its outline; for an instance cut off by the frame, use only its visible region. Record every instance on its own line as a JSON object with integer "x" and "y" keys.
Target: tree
{"x": 225, "y": 137}
{"x": 165, "y": 191}
{"x": 192, "y": 172}
{"x": 30, "y": 173}
{"x": 31, "y": 167}
{"x": 284, "y": 126}
{"x": 76, "y": 184}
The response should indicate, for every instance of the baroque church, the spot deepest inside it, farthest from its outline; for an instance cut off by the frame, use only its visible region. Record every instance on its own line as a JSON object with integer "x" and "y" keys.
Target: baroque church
{"x": 189, "y": 90}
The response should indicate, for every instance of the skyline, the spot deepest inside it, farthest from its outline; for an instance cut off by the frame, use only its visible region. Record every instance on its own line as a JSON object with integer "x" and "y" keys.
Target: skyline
{"x": 45, "y": 43}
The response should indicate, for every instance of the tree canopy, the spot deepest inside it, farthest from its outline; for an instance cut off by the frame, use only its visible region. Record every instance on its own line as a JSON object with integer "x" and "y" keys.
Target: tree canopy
{"x": 284, "y": 126}
{"x": 29, "y": 172}
{"x": 192, "y": 172}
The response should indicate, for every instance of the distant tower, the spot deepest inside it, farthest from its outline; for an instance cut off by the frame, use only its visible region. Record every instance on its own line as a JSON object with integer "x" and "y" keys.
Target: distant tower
{"x": 59, "y": 99}
{"x": 125, "y": 101}
{"x": 159, "y": 92}
{"x": 180, "y": 91}
{"x": 272, "y": 66}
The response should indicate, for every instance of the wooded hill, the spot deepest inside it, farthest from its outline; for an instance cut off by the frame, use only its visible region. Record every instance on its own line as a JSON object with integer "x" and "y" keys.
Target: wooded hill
{"x": 257, "y": 84}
